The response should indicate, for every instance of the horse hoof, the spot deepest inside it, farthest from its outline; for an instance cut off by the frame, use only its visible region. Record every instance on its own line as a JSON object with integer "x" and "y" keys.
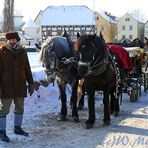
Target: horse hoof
{"x": 89, "y": 125}
{"x": 106, "y": 123}
{"x": 76, "y": 119}
{"x": 116, "y": 113}
{"x": 80, "y": 107}
{"x": 62, "y": 118}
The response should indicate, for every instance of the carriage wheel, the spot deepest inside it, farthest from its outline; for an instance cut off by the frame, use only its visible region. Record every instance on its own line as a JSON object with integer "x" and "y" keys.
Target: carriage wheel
{"x": 134, "y": 96}
{"x": 140, "y": 91}
{"x": 140, "y": 84}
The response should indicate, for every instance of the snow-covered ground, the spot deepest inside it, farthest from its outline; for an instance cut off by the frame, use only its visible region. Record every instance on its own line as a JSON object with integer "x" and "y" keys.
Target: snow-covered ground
{"x": 130, "y": 129}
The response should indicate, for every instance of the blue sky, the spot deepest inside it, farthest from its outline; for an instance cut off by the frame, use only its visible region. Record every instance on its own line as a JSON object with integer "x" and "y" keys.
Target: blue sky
{"x": 30, "y": 8}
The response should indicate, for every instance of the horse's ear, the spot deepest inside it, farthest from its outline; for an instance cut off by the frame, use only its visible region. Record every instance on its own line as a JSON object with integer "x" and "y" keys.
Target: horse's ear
{"x": 101, "y": 36}
{"x": 94, "y": 36}
{"x": 78, "y": 35}
{"x": 65, "y": 33}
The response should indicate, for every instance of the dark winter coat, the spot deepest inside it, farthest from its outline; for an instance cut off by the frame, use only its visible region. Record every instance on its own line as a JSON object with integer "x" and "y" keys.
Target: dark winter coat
{"x": 14, "y": 72}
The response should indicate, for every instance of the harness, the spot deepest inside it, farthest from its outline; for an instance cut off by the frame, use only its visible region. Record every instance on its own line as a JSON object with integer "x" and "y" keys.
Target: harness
{"x": 58, "y": 65}
{"x": 96, "y": 66}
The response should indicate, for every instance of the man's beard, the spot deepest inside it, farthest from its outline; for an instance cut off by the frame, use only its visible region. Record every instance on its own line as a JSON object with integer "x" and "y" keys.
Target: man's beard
{"x": 13, "y": 45}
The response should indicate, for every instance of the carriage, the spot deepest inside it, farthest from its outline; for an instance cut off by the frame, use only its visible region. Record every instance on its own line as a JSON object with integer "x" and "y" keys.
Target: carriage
{"x": 139, "y": 74}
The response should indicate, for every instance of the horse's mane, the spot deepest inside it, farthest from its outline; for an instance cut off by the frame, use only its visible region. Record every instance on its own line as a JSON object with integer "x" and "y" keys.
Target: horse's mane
{"x": 93, "y": 38}
{"x": 45, "y": 46}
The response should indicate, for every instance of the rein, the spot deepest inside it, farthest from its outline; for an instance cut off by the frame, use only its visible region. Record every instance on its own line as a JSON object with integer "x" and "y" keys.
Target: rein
{"x": 98, "y": 67}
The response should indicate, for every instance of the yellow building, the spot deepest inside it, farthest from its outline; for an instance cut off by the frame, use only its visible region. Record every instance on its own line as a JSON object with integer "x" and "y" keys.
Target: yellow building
{"x": 107, "y": 24}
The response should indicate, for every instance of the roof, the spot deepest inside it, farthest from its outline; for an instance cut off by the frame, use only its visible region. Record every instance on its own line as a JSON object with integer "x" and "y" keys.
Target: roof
{"x": 18, "y": 13}
{"x": 30, "y": 24}
{"x": 24, "y": 35}
{"x": 138, "y": 19}
{"x": 108, "y": 17}
{"x": 67, "y": 15}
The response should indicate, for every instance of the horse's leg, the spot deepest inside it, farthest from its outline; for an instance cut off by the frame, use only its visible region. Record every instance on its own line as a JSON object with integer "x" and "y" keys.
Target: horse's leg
{"x": 106, "y": 120}
{"x": 81, "y": 100}
{"x": 114, "y": 104}
{"x": 91, "y": 109}
{"x": 74, "y": 101}
{"x": 63, "y": 112}
{"x": 117, "y": 107}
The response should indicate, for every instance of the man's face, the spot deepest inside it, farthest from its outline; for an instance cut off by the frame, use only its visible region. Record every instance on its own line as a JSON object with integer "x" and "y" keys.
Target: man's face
{"x": 12, "y": 42}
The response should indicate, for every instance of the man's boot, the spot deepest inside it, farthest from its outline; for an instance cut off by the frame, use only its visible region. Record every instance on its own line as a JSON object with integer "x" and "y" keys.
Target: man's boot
{"x": 17, "y": 125}
{"x": 3, "y": 135}
{"x": 18, "y": 130}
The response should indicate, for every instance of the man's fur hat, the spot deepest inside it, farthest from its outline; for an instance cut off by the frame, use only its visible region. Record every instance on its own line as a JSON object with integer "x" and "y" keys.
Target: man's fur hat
{"x": 12, "y": 35}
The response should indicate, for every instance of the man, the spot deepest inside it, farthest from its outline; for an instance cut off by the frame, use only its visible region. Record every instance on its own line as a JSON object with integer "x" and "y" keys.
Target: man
{"x": 14, "y": 72}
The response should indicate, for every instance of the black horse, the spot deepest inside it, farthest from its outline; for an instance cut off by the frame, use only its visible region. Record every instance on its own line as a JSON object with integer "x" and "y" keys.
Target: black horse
{"x": 96, "y": 67}
{"x": 60, "y": 64}
{"x": 137, "y": 43}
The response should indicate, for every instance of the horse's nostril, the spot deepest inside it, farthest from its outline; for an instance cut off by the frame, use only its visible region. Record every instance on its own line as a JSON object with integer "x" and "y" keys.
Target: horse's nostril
{"x": 52, "y": 79}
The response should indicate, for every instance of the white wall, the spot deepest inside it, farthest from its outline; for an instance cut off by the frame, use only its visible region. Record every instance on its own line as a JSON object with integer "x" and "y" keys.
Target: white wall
{"x": 146, "y": 29}
{"x": 127, "y": 32}
{"x": 34, "y": 33}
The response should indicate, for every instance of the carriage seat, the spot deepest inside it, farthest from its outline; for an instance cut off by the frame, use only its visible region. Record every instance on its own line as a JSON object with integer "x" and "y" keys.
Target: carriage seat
{"x": 123, "y": 56}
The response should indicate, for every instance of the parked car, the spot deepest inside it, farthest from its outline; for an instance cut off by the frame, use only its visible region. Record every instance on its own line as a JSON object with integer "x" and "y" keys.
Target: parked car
{"x": 2, "y": 39}
{"x": 31, "y": 49}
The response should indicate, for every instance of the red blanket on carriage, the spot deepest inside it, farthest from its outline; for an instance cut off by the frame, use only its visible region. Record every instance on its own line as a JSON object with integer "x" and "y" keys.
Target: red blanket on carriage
{"x": 123, "y": 55}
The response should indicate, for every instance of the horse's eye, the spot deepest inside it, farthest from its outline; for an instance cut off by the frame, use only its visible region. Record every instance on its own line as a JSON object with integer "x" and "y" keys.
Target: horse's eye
{"x": 48, "y": 66}
{"x": 43, "y": 65}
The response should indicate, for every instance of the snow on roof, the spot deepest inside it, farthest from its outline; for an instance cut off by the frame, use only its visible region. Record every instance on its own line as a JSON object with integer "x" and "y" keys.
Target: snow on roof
{"x": 67, "y": 15}
{"x": 24, "y": 35}
{"x": 108, "y": 17}
{"x": 18, "y": 13}
{"x": 30, "y": 24}
{"x": 138, "y": 19}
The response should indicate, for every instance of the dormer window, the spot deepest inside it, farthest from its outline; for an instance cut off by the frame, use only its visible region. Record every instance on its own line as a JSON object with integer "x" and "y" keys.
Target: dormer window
{"x": 127, "y": 19}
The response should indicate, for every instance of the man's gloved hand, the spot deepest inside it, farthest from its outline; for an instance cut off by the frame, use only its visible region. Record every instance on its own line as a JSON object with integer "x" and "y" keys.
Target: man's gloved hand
{"x": 30, "y": 89}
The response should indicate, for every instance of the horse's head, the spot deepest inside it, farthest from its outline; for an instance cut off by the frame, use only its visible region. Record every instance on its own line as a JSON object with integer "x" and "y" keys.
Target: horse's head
{"x": 56, "y": 59}
{"x": 90, "y": 48}
{"x": 137, "y": 43}
{"x": 49, "y": 61}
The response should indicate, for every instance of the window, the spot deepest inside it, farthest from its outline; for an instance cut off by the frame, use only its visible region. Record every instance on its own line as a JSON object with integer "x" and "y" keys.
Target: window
{"x": 130, "y": 37}
{"x": 97, "y": 18}
{"x": 123, "y": 36}
{"x": 127, "y": 19}
{"x": 102, "y": 27}
{"x": 130, "y": 27}
{"x": 123, "y": 27}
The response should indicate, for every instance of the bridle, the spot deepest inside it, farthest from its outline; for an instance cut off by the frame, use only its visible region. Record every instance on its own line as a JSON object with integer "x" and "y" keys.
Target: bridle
{"x": 48, "y": 70}
{"x": 57, "y": 64}
{"x": 97, "y": 65}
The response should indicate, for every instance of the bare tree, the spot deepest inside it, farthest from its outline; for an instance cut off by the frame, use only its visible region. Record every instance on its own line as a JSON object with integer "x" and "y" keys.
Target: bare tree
{"x": 8, "y": 16}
